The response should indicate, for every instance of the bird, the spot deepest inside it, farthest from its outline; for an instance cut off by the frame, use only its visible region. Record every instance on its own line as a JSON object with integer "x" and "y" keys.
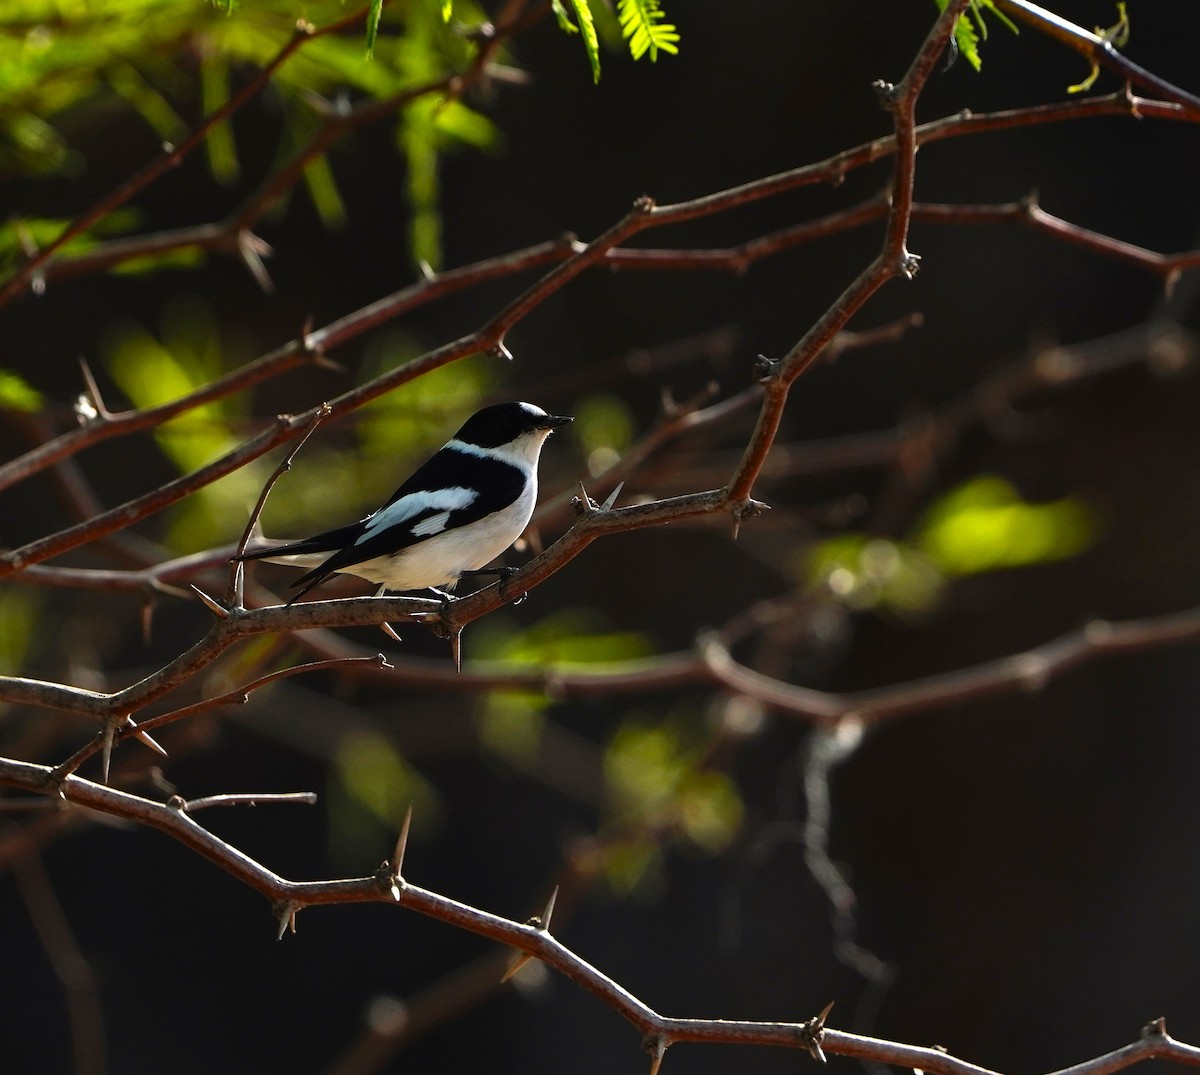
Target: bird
{"x": 458, "y": 511}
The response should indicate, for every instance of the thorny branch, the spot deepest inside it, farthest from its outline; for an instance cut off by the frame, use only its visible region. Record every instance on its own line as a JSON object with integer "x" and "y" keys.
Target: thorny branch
{"x": 710, "y": 662}
{"x": 387, "y": 885}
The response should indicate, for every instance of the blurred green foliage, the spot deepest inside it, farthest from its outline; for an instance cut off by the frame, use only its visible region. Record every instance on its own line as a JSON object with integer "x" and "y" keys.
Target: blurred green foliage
{"x": 660, "y": 786}
{"x": 185, "y": 356}
{"x": 19, "y": 610}
{"x": 511, "y": 721}
{"x": 370, "y": 791}
{"x": 604, "y": 429}
{"x": 982, "y": 525}
{"x": 64, "y": 62}
{"x": 17, "y": 394}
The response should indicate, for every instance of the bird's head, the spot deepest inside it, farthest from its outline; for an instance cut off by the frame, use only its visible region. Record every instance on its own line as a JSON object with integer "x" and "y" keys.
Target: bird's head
{"x": 518, "y": 429}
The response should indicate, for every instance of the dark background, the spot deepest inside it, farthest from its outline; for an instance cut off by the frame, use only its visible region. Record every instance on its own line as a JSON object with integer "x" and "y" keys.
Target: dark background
{"x": 1027, "y": 866}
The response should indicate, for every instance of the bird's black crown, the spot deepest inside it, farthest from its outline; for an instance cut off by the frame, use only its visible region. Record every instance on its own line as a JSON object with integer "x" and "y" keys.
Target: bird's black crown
{"x": 504, "y": 422}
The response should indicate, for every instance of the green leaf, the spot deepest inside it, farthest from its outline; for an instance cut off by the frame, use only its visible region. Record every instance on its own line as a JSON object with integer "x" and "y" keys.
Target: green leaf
{"x": 968, "y": 36}
{"x": 587, "y": 29}
{"x": 214, "y": 93}
{"x": 374, "y": 14}
{"x": 571, "y": 636}
{"x": 18, "y": 619}
{"x": 564, "y": 20}
{"x": 984, "y": 526}
{"x": 17, "y": 394}
{"x": 322, "y": 188}
{"x": 642, "y": 25}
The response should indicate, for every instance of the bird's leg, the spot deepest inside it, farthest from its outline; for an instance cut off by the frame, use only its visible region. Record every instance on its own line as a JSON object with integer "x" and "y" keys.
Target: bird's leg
{"x": 441, "y": 595}
{"x": 505, "y": 573}
{"x": 502, "y": 572}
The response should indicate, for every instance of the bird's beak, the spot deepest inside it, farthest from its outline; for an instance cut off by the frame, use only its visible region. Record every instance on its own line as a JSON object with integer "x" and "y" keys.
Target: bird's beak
{"x": 553, "y": 421}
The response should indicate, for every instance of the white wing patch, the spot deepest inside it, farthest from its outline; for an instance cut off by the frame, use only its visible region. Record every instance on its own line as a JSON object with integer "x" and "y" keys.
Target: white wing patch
{"x": 435, "y": 524}
{"x": 443, "y": 501}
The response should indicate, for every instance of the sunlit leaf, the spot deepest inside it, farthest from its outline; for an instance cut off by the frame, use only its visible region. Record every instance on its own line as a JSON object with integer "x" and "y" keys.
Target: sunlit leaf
{"x": 643, "y": 26}
{"x": 568, "y": 636}
{"x": 984, "y": 525}
{"x": 18, "y": 619}
{"x": 214, "y": 94}
{"x": 17, "y": 394}
{"x": 587, "y": 30}
{"x": 322, "y": 188}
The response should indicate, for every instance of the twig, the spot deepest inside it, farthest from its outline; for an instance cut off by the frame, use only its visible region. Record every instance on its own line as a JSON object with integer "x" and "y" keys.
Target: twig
{"x": 170, "y": 158}
{"x": 537, "y": 941}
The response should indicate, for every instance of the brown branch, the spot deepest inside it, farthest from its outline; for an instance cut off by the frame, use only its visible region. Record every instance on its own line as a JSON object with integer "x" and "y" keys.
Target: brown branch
{"x": 311, "y": 346}
{"x": 533, "y": 938}
{"x": 1097, "y": 50}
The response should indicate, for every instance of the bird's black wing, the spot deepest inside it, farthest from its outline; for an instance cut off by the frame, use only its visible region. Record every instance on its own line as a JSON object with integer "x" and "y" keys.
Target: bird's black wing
{"x": 463, "y": 486}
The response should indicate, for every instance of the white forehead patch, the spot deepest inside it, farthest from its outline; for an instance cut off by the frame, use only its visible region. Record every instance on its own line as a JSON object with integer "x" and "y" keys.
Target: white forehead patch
{"x": 529, "y": 408}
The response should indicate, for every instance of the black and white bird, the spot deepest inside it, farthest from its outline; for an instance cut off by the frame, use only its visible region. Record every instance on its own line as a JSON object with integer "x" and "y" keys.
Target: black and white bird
{"x": 460, "y": 510}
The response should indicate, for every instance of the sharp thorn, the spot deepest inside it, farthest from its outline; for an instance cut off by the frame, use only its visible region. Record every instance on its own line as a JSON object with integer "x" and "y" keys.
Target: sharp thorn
{"x": 611, "y": 499}
{"x": 390, "y": 631}
{"x": 287, "y": 918}
{"x": 213, "y": 606}
{"x": 515, "y": 966}
{"x": 657, "y": 1048}
{"x": 543, "y": 920}
{"x": 110, "y": 733}
{"x": 398, "y": 855}
{"x": 147, "y": 739}
{"x": 825, "y": 1013}
{"x": 456, "y": 648}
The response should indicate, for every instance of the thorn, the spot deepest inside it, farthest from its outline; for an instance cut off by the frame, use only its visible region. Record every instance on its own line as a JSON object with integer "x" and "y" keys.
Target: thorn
{"x": 286, "y": 912}
{"x": 456, "y": 647}
{"x": 611, "y": 499}
{"x": 515, "y": 966}
{"x": 145, "y": 737}
{"x": 426, "y": 269}
{"x": 252, "y": 250}
{"x": 499, "y": 350}
{"x": 93, "y": 389}
{"x": 584, "y": 504}
{"x": 397, "y": 876}
{"x": 110, "y": 732}
{"x": 656, "y": 1046}
{"x": 810, "y": 1033}
{"x": 747, "y": 509}
{"x": 388, "y": 630}
{"x": 542, "y": 921}
{"x": 213, "y": 605}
